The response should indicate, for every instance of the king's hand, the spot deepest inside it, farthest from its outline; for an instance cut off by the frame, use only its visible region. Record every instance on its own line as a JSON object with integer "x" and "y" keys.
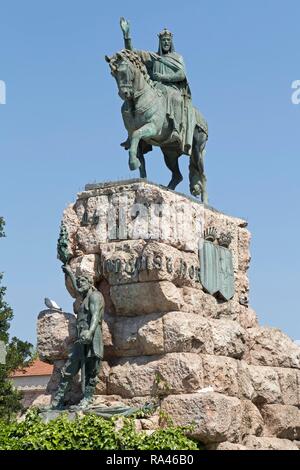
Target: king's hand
{"x": 125, "y": 27}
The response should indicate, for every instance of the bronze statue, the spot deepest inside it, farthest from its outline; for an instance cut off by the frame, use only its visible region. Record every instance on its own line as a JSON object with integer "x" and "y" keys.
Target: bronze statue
{"x": 87, "y": 352}
{"x": 158, "y": 110}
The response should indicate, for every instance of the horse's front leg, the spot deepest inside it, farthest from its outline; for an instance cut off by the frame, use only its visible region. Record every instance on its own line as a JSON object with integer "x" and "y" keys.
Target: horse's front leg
{"x": 146, "y": 131}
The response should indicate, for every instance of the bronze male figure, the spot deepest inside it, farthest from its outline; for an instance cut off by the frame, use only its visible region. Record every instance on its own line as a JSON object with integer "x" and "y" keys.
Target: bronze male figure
{"x": 87, "y": 351}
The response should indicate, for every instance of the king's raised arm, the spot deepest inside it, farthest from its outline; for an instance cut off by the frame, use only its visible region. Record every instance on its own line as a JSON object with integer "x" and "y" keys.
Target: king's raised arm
{"x": 125, "y": 27}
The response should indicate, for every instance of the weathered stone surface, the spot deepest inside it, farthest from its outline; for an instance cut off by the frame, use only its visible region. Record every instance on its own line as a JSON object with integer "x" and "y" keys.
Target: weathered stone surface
{"x": 56, "y": 332}
{"x": 197, "y": 301}
{"x": 282, "y": 421}
{"x": 268, "y": 443}
{"x": 39, "y": 401}
{"x": 124, "y": 262}
{"x": 137, "y": 336}
{"x": 271, "y": 347}
{"x": 34, "y": 398}
{"x": 156, "y": 375}
{"x": 101, "y": 387}
{"x": 242, "y": 287}
{"x": 252, "y": 421}
{"x": 173, "y": 332}
{"x": 146, "y": 297}
{"x": 265, "y": 384}
{"x": 221, "y": 373}
{"x": 228, "y": 338}
{"x": 144, "y": 210}
{"x": 289, "y": 380}
{"x": 150, "y": 423}
{"x": 217, "y": 418}
{"x": 187, "y": 332}
{"x": 246, "y": 389}
{"x": 86, "y": 265}
{"x": 244, "y": 256}
{"x": 247, "y": 317}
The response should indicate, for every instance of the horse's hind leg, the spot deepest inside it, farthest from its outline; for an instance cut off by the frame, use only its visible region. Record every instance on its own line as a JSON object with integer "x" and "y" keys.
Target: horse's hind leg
{"x": 171, "y": 160}
{"x": 140, "y": 155}
{"x": 196, "y": 168}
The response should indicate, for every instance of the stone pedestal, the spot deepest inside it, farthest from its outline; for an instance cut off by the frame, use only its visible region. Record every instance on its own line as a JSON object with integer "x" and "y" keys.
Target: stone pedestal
{"x": 202, "y": 357}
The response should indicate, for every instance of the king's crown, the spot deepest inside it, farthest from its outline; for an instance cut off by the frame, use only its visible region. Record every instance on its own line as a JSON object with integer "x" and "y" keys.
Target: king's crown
{"x": 225, "y": 239}
{"x": 165, "y": 32}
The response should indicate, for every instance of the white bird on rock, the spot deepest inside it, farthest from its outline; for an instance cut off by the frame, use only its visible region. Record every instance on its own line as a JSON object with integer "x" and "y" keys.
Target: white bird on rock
{"x": 52, "y": 305}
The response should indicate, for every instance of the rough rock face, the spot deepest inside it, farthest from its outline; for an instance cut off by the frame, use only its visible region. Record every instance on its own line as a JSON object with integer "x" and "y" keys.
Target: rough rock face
{"x": 204, "y": 360}
{"x": 56, "y": 332}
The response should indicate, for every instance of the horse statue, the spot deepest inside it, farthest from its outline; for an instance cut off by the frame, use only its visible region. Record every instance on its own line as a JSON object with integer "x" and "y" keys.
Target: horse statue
{"x": 158, "y": 114}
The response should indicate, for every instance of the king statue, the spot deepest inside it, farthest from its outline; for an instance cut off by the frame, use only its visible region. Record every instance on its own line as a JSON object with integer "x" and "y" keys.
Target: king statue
{"x": 158, "y": 109}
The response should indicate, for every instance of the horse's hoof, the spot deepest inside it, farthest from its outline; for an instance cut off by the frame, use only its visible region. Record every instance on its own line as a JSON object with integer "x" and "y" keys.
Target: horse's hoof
{"x": 175, "y": 182}
{"x": 196, "y": 190}
{"x": 125, "y": 145}
{"x": 134, "y": 164}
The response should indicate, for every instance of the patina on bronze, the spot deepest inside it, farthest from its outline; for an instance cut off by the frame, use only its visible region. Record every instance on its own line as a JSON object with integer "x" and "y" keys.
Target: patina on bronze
{"x": 87, "y": 352}
{"x": 158, "y": 110}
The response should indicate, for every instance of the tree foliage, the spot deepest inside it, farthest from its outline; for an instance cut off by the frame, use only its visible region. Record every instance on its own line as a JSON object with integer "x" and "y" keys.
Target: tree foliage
{"x": 18, "y": 355}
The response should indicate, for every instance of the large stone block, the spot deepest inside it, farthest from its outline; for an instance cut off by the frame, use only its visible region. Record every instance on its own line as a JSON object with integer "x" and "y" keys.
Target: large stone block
{"x": 252, "y": 421}
{"x": 221, "y": 373}
{"x": 289, "y": 380}
{"x": 216, "y": 417}
{"x": 173, "y": 332}
{"x": 124, "y": 262}
{"x": 156, "y": 375}
{"x": 282, "y": 421}
{"x": 266, "y": 385}
{"x": 134, "y": 336}
{"x": 146, "y": 297}
{"x": 271, "y": 347}
{"x": 56, "y": 333}
{"x": 187, "y": 332}
{"x": 199, "y": 302}
{"x": 228, "y": 338}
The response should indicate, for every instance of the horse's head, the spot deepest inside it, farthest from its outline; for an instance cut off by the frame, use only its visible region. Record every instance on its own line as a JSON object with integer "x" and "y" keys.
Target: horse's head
{"x": 123, "y": 71}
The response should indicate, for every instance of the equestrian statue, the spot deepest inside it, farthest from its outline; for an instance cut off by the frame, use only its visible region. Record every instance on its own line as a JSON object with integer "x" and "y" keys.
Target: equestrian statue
{"x": 158, "y": 110}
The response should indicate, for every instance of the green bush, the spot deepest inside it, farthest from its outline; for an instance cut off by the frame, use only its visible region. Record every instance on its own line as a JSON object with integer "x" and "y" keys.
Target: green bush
{"x": 90, "y": 432}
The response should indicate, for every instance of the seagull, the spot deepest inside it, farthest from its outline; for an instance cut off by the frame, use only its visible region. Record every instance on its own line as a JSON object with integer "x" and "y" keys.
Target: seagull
{"x": 52, "y": 305}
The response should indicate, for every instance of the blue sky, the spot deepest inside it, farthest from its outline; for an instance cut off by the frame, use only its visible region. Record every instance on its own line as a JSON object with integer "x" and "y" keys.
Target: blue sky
{"x": 61, "y": 128}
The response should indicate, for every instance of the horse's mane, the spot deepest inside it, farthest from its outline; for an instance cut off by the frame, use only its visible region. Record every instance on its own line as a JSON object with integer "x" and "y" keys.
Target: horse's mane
{"x": 137, "y": 62}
